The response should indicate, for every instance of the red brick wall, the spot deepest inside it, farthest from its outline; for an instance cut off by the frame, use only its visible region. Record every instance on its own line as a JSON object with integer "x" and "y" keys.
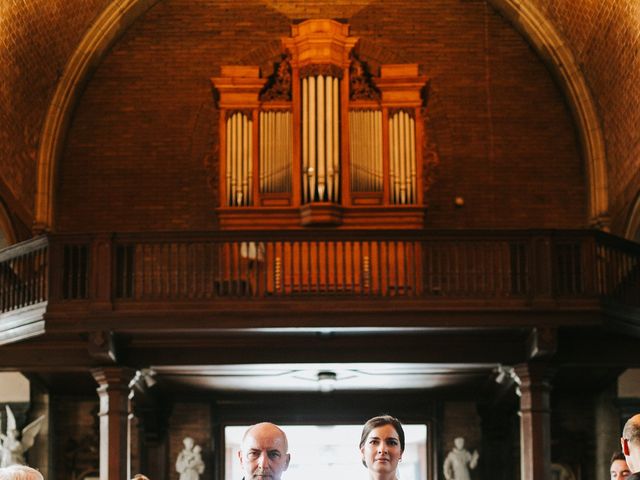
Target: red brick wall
{"x": 75, "y": 436}
{"x": 603, "y": 36}
{"x": 134, "y": 155}
{"x": 36, "y": 39}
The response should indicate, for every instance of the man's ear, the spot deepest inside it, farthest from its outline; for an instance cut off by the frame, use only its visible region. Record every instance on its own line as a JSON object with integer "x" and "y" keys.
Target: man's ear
{"x": 240, "y": 456}
{"x": 624, "y": 443}
{"x": 286, "y": 465}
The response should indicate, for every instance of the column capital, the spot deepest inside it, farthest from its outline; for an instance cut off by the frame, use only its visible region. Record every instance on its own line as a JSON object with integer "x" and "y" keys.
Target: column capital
{"x": 113, "y": 376}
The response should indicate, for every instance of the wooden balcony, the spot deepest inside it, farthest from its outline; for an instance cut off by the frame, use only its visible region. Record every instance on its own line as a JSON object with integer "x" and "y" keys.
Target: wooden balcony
{"x": 315, "y": 279}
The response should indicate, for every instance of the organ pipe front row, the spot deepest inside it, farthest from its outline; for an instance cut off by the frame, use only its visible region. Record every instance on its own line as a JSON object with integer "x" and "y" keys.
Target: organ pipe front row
{"x": 320, "y": 139}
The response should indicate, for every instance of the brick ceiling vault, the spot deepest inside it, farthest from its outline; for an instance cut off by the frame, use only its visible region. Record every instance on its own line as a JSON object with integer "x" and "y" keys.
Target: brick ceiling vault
{"x": 543, "y": 36}
{"x": 117, "y": 17}
{"x": 106, "y": 30}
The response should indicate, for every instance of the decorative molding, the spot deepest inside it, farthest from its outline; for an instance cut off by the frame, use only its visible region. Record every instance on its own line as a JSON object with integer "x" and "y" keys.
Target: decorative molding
{"x": 409, "y": 111}
{"x": 361, "y": 84}
{"x": 325, "y": 69}
{"x": 247, "y": 112}
{"x": 278, "y": 85}
{"x": 102, "y": 346}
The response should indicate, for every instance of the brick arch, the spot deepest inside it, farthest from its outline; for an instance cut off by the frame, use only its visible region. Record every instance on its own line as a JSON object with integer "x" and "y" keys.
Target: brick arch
{"x": 119, "y": 15}
{"x": 114, "y": 20}
{"x": 549, "y": 44}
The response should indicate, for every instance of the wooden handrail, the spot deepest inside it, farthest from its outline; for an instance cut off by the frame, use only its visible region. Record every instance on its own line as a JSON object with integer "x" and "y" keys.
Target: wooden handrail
{"x": 538, "y": 266}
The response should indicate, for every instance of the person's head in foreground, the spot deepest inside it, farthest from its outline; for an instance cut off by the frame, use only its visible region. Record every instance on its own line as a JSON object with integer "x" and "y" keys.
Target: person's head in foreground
{"x": 630, "y": 443}
{"x": 264, "y": 452}
{"x": 381, "y": 446}
{"x": 20, "y": 472}
{"x": 619, "y": 470}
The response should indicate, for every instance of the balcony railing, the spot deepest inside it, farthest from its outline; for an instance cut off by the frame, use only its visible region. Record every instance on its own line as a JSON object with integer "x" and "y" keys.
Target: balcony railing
{"x": 184, "y": 267}
{"x": 24, "y": 274}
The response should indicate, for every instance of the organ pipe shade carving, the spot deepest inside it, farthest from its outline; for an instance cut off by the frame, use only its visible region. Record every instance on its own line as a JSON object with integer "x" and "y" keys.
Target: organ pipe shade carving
{"x": 402, "y": 153}
{"x": 239, "y": 159}
{"x": 365, "y": 149}
{"x": 276, "y": 151}
{"x": 320, "y": 139}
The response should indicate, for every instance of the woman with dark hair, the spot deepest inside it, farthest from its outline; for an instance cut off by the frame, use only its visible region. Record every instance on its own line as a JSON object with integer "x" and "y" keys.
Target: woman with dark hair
{"x": 381, "y": 446}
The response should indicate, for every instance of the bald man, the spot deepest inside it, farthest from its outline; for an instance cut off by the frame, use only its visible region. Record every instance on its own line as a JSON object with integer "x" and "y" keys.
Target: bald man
{"x": 264, "y": 453}
{"x": 630, "y": 442}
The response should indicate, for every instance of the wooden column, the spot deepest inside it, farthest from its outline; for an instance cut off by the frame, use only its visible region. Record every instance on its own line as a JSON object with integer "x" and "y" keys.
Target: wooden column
{"x": 152, "y": 412}
{"x": 535, "y": 424}
{"x": 115, "y": 408}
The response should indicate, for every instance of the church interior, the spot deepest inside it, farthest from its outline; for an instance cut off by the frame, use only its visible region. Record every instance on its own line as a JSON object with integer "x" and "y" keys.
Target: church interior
{"x": 215, "y": 213}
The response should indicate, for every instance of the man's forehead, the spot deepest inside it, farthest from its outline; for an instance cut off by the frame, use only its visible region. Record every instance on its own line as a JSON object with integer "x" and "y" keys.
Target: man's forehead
{"x": 265, "y": 437}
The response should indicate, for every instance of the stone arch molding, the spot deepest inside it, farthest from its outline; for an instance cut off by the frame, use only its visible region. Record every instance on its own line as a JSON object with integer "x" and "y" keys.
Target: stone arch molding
{"x": 120, "y": 14}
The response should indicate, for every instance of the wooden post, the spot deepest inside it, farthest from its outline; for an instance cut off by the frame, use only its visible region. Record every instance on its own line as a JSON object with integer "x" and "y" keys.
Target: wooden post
{"x": 535, "y": 424}
{"x": 115, "y": 408}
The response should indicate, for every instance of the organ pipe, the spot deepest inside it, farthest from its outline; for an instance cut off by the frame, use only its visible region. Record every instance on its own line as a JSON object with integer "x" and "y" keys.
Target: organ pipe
{"x": 276, "y": 151}
{"x": 365, "y": 132}
{"x": 320, "y": 139}
{"x": 239, "y": 172}
{"x": 402, "y": 152}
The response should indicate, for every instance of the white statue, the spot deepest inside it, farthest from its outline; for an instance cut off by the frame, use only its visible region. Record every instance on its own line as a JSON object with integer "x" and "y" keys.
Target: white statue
{"x": 459, "y": 461}
{"x": 189, "y": 463}
{"x": 12, "y": 449}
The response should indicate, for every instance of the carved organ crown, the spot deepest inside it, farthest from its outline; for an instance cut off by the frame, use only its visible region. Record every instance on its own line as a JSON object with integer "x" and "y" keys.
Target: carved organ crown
{"x": 322, "y": 141}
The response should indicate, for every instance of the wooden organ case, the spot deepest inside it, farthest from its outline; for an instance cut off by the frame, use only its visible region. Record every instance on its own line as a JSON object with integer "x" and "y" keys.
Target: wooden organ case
{"x": 321, "y": 142}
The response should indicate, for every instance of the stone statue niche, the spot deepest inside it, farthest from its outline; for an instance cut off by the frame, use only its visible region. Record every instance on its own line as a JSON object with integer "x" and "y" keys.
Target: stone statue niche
{"x": 13, "y": 443}
{"x": 189, "y": 463}
{"x": 460, "y": 462}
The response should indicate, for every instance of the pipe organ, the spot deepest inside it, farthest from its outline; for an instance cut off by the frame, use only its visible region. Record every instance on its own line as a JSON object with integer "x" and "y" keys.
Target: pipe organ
{"x": 322, "y": 141}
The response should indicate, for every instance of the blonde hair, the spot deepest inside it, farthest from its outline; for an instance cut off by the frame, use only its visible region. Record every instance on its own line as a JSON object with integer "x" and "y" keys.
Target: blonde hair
{"x": 20, "y": 472}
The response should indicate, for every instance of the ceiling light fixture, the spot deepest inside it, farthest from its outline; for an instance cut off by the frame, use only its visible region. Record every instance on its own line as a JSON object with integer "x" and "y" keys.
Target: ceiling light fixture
{"x": 327, "y": 381}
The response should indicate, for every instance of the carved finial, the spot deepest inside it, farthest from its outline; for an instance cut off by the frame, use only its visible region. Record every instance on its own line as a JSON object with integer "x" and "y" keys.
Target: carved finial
{"x": 361, "y": 86}
{"x": 278, "y": 86}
